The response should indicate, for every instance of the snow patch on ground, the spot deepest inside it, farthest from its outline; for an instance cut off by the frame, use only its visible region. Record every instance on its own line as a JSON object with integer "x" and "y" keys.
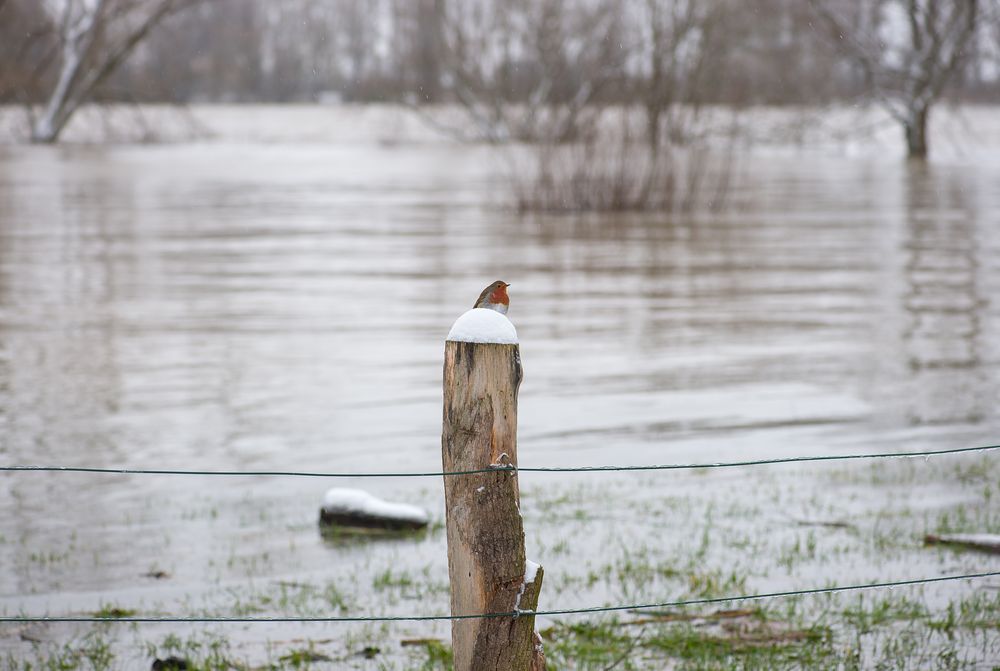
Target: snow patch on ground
{"x": 482, "y": 325}
{"x": 359, "y": 502}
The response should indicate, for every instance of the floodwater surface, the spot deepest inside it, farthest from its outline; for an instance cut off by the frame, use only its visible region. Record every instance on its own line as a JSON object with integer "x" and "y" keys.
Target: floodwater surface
{"x": 282, "y": 306}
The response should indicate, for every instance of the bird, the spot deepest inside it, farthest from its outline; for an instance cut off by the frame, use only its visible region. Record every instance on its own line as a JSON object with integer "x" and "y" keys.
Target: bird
{"x": 494, "y": 297}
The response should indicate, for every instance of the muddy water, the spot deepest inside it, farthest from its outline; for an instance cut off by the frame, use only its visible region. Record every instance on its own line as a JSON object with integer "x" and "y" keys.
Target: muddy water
{"x": 282, "y": 306}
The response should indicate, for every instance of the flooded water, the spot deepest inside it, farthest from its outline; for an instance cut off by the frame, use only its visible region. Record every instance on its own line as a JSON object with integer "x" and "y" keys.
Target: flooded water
{"x": 282, "y": 306}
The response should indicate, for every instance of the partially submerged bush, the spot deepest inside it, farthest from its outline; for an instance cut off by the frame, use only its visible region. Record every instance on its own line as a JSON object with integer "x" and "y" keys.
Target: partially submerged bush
{"x": 619, "y": 168}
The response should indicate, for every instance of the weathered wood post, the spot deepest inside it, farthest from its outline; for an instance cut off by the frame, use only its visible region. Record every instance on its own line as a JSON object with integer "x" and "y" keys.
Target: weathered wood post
{"x": 486, "y": 560}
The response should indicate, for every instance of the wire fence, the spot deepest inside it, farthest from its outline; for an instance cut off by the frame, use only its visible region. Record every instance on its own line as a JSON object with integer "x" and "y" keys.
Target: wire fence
{"x": 926, "y": 454}
{"x": 516, "y": 613}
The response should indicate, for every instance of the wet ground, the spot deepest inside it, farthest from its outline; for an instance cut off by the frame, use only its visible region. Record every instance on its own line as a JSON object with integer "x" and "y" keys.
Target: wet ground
{"x": 282, "y": 305}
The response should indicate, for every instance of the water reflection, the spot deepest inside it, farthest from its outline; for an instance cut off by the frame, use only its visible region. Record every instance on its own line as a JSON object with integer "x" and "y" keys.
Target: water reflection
{"x": 943, "y": 300}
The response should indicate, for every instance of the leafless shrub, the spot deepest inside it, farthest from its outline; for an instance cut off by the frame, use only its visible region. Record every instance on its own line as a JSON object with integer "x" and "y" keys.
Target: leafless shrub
{"x": 588, "y": 151}
{"x": 617, "y": 169}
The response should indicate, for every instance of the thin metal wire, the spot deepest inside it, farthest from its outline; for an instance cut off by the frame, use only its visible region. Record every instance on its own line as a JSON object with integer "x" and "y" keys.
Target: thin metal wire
{"x": 520, "y": 469}
{"x": 563, "y": 611}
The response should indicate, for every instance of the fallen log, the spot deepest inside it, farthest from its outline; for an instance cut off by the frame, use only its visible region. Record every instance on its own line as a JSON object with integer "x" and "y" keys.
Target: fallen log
{"x": 356, "y": 508}
{"x": 982, "y": 542}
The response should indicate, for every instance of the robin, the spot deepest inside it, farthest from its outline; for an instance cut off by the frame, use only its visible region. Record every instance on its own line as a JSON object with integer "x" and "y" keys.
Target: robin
{"x": 494, "y": 297}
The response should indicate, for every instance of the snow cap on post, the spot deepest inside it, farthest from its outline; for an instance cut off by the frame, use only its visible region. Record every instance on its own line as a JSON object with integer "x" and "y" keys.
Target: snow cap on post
{"x": 484, "y": 326}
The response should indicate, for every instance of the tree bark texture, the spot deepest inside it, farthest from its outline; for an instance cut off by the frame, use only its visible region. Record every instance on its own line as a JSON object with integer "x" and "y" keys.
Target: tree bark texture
{"x": 916, "y": 133}
{"x": 486, "y": 560}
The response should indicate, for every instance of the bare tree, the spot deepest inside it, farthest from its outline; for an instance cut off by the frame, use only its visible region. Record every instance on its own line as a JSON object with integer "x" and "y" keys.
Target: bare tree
{"x": 530, "y": 69}
{"x": 94, "y": 39}
{"x": 417, "y": 44}
{"x": 359, "y": 36}
{"x": 906, "y": 74}
{"x": 668, "y": 29}
{"x": 26, "y": 49}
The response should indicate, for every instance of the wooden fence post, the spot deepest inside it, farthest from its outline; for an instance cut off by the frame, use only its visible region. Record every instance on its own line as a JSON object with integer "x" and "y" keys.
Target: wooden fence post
{"x": 486, "y": 560}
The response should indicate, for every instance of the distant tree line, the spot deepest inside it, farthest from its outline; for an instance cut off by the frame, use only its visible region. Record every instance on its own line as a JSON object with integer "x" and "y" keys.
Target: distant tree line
{"x": 490, "y": 55}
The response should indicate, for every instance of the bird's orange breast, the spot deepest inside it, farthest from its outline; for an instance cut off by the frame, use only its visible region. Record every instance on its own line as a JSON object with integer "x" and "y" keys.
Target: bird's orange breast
{"x": 499, "y": 295}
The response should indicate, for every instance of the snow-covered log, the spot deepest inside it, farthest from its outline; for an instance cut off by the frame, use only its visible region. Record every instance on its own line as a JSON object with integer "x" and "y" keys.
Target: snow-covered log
{"x": 982, "y": 542}
{"x": 357, "y": 508}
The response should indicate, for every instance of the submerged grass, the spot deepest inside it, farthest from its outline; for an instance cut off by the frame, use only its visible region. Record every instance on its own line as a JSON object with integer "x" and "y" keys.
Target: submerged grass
{"x": 749, "y": 641}
{"x": 630, "y": 541}
{"x": 863, "y": 633}
{"x": 114, "y": 612}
